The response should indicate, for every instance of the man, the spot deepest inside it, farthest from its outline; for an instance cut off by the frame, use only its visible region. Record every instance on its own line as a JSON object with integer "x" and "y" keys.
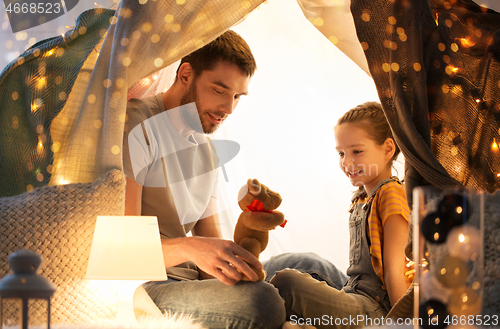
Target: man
{"x": 170, "y": 168}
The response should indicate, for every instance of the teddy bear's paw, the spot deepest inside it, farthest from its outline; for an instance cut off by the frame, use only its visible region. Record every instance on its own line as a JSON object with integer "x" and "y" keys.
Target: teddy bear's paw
{"x": 245, "y": 278}
{"x": 261, "y": 274}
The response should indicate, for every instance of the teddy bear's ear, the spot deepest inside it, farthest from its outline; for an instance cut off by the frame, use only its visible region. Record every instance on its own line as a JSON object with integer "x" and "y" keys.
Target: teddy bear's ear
{"x": 254, "y": 186}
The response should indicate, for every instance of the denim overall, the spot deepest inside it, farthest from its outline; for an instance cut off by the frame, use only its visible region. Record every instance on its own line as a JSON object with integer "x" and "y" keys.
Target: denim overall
{"x": 362, "y": 278}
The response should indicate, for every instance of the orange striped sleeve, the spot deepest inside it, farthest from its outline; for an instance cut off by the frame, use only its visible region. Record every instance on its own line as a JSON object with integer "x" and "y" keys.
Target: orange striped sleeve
{"x": 389, "y": 200}
{"x": 392, "y": 201}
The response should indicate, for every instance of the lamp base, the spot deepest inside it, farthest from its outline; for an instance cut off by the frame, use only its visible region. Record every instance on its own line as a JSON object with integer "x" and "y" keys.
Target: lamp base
{"x": 126, "y": 290}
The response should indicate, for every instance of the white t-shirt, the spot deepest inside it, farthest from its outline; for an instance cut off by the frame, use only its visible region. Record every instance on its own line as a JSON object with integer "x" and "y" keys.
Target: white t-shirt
{"x": 191, "y": 176}
{"x": 178, "y": 176}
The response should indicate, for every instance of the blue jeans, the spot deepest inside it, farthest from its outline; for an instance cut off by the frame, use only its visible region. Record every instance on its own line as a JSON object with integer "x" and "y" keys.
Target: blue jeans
{"x": 312, "y": 291}
{"x": 309, "y": 301}
{"x": 319, "y": 268}
{"x": 248, "y": 305}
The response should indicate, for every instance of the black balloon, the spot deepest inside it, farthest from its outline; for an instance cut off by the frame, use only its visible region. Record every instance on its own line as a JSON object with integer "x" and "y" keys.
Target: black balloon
{"x": 434, "y": 228}
{"x": 455, "y": 208}
{"x": 433, "y": 313}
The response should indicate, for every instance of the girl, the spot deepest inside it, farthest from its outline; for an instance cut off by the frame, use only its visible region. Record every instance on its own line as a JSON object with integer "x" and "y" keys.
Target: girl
{"x": 378, "y": 227}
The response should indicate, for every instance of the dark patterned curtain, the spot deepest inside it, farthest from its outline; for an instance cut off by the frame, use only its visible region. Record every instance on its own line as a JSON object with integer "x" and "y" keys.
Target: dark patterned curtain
{"x": 436, "y": 68}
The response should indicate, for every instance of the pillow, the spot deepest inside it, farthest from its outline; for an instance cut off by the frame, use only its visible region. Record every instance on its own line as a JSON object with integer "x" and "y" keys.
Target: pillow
{"x": 57, "y": 222}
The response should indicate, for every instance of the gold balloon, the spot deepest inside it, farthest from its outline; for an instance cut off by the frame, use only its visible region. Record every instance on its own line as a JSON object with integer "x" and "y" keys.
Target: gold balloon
{"x": 451, "y": 271}
{"x": 464, "y": 301}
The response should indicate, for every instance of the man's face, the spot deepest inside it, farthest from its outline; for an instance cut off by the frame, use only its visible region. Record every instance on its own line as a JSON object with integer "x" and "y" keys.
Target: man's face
{"x": 216, "y": 93}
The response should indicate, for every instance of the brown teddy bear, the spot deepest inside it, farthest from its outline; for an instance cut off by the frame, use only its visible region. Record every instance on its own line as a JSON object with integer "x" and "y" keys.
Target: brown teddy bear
{"x": 258, "y": 203}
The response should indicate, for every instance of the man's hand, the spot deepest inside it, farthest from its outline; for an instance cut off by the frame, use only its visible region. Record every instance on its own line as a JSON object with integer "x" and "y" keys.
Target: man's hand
{"x": 221, "y": 259}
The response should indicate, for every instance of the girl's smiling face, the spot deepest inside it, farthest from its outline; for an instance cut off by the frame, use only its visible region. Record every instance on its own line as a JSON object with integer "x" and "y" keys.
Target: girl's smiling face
{"x": 362, "y": 160}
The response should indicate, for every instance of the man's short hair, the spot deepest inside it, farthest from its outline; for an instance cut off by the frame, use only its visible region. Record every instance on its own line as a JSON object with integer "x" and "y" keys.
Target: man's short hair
{"x": 229, "y": 46}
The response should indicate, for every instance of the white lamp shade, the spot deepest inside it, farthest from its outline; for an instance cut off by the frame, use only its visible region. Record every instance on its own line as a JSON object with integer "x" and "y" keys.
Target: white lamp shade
{"x": 126, "y": 248}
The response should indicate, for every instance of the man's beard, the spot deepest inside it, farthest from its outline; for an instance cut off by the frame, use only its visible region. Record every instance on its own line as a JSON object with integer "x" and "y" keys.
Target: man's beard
{"x": 194, "y": 119}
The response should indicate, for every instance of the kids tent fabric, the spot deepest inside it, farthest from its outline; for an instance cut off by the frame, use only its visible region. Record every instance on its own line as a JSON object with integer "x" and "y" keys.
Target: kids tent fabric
{"x": 65, "y": 97}
{"x": 435, "y": 66}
